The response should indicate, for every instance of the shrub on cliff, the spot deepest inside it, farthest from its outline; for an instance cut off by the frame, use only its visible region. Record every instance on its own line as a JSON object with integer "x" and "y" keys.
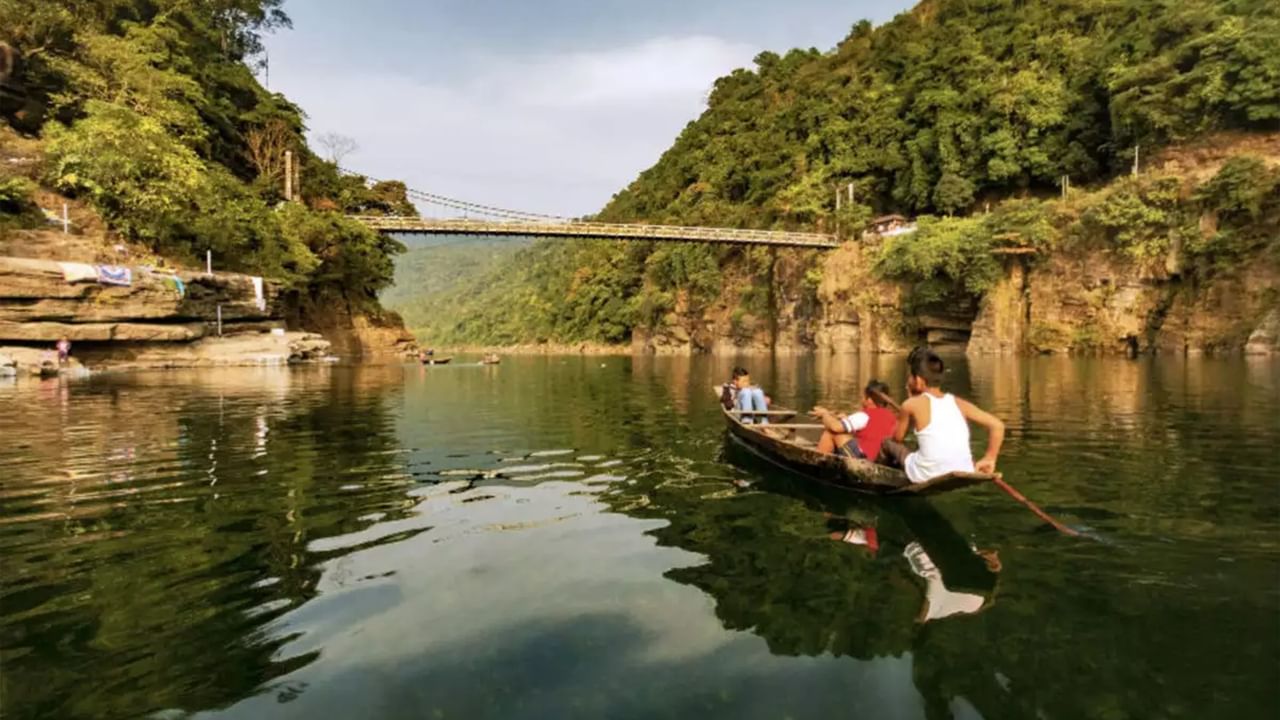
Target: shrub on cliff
{"x": 1136, "y": 215}
{"x": 17, "y": 209}
{"x": 942, "y": 256}
{"x": 1243, "y": 201}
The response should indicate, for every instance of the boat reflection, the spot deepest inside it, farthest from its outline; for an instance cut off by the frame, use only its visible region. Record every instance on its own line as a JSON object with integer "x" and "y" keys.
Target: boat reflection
{"x": 844, "y": 573}
{"x": 940, "y": 600}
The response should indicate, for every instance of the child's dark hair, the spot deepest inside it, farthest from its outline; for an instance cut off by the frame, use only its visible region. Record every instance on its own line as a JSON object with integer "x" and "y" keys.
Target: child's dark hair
{"x": 739, "y": 371}
{"x": 878, "y": 392}
{"x": 924, "y": 363}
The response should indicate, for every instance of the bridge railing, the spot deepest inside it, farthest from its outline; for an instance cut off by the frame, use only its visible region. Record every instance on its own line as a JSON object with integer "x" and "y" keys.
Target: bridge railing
{"x": 573, "y": 228}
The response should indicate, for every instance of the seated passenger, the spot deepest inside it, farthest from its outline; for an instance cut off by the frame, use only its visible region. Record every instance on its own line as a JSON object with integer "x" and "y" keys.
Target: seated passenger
{"x": 729, "y": 390}
{"x": 750, "y": 398}
{"x": 859, "y": 435}
{"x": 941, "y": 423}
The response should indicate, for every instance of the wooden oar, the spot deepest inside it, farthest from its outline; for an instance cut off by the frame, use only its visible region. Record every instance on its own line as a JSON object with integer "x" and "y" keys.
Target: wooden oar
{"x": 998, "y": 479}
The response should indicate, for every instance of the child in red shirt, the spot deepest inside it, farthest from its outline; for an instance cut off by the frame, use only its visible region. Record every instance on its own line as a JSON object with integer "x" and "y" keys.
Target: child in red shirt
{"x": 859, "y": 435}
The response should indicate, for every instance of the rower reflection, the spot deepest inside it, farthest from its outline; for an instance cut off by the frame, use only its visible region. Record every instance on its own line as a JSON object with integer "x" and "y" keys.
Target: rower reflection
{"x": 940, "y": 599}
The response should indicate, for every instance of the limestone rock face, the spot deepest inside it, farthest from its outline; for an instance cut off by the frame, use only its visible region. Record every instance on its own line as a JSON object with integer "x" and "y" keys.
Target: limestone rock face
{"x": 1098, "y": 301}
{"x": 1223, "y": 314}
{"x": 1265, "y": 339}
{"x": 146, "y": 324}
{"x": 38, "y": 305}
{"x": 50, "y": 332}
{"x": 1000, "y": 328}
{"x": 355, "y": 333}
{"x": 236, "y": 350}
{"x": 864, "y": 313}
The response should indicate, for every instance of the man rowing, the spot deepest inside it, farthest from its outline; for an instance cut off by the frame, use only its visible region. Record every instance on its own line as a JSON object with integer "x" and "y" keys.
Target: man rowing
{"x": 941, "y": 424}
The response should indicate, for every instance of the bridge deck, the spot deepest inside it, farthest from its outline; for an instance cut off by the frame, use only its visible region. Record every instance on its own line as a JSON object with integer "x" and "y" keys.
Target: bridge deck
{"x": 611, "y": 231}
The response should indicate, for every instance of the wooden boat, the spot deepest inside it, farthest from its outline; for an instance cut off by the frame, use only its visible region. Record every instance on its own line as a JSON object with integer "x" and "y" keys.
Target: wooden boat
{"x": 794, "y": 447}
{"x": 436, "y": 360}
{"x": 490, "y": 360}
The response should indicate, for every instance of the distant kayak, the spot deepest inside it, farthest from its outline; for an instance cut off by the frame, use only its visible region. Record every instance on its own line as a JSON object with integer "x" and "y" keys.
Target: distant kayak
{"x": 436, "y": 360}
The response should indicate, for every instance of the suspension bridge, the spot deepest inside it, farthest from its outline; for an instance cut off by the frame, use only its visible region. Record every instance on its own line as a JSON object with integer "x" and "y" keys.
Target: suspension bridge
{"x": 459, "y": 217}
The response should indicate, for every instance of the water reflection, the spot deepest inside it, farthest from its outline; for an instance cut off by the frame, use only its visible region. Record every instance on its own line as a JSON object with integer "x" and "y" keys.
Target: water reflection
{"x": 570, "y": 537}
{"x": 140, "y": 574}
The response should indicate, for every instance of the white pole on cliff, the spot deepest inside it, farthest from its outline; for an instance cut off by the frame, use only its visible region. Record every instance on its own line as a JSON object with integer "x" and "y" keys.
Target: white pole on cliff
{"x": 219, "y": 320}
{"x": 208, "y": 262}
{"x": 66, "y": 220}
{"x": 288, "y": 175}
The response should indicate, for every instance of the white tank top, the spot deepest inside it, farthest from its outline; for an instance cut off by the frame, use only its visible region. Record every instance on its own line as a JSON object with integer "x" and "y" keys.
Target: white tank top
{"x": 944, "y": 444}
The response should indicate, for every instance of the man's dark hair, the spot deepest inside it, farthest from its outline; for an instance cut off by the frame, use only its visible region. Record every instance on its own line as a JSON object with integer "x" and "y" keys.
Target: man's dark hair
{"x": 925, "y": 363}
{"x": 877, "y": 391}
{"x": 739, "y": 371}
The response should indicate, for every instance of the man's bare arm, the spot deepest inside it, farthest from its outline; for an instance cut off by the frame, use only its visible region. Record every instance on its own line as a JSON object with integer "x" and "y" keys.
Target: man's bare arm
{"x": 904, "y": 421}
{"x": 995, "y": 433}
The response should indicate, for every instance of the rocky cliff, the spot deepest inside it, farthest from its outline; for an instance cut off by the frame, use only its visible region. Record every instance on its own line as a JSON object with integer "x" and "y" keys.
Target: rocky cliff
{"x": 1098, "y": 302}
{"x": 38, "y": 305}
{"x": 833, "y": 302}
{"x": 1184, "y": 260}
{"x": 354, "y": 333}
{"x": 153, "y": 321}
{"x": 1092, "y": 301}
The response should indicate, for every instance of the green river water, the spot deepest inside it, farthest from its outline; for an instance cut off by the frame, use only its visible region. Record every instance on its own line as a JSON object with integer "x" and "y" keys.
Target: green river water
{"x": 569, "y": 537}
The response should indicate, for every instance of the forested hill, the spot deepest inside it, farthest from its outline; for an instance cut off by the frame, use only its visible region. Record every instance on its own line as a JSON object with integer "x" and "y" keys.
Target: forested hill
{"x": 961, "y": 101}
{"x": 149, "y": 112}
{"x": 949, "y": 108}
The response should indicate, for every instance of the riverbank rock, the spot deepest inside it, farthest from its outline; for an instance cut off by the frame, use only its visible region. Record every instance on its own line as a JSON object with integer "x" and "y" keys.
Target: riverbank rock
{"x": 37, "y": 304}
{"x": 357, "y": 334}
{"x": 23, "y": 361}
{"x": 266, "y": 349}
{"x": 149, "y": 323}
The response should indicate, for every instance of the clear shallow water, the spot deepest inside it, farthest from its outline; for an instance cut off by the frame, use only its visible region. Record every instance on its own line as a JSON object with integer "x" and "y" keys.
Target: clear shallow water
{"x": 570, "y": 537}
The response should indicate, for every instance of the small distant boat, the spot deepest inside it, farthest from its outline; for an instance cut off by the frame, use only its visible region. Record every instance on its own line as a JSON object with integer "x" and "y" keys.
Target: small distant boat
{"x": 436, "y": 360}
{"x": 490, "y": 359}
{"x": 794, "y": 447}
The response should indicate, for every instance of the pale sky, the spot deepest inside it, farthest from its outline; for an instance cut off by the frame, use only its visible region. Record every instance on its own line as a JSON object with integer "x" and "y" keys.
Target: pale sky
{"x": 538, "y": 105}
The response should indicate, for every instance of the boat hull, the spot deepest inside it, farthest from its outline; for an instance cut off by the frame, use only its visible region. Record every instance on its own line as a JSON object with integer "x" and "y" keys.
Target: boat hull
{"x": 782, "y": 448}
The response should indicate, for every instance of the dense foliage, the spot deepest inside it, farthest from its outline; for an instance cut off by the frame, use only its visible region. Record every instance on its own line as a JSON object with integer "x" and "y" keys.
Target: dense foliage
{"x": 949, "y": 108}
{"x": 149, "y": 110}
{"x": 1146, "y": 218}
